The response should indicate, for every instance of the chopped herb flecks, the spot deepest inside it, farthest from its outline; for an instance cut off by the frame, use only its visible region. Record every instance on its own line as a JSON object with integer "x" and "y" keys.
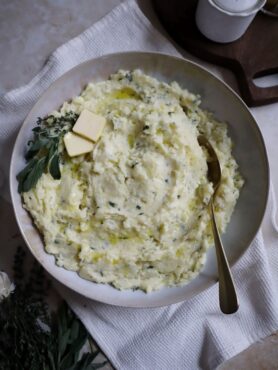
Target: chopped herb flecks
{"x": 128, "y": 76}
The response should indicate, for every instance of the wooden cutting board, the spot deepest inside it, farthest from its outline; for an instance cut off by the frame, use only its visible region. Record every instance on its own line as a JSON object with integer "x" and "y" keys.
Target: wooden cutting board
{"x": 255, "y": 54}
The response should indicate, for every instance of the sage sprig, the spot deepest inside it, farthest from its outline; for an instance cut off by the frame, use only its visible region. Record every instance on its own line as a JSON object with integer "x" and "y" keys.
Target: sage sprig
{"x": 44, "y": 150}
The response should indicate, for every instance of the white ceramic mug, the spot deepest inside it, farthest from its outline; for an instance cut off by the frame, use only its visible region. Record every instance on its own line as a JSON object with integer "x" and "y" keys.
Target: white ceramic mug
{"x": 222, "y": 25}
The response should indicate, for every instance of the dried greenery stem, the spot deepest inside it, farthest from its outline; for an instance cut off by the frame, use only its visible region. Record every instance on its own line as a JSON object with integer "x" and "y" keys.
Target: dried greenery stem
{"x": 33, "y": 339}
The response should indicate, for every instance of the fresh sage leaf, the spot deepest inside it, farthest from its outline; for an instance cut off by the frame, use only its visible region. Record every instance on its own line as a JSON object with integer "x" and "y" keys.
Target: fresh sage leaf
{"x": 21, "y": 176}
{"x": 35, "y": 147}
{"x": 97, "y": 366}
{"x": 34, "y": 175}
{"x": 63, "y": 341}
{"x": 54, "y": 167}
{"x": 74, "y": 350}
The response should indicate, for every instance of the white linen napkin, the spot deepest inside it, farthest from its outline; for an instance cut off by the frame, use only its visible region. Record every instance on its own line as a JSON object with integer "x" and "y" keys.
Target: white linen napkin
{"x": 189, "y": 335}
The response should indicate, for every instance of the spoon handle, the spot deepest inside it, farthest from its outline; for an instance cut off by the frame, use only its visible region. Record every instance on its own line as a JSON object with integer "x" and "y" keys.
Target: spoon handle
{"x": 227, "y": 293}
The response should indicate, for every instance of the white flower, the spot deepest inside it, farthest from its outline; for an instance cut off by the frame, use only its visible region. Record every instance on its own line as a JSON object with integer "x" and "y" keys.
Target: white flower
{"x": 6, "y": 286}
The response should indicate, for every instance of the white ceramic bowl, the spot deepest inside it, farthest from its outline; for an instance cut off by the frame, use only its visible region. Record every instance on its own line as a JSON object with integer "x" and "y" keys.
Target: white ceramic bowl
{"x": 249, "y": 150}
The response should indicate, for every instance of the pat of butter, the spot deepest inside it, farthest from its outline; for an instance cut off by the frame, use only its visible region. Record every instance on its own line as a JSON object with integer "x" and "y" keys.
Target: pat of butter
{"x": 89, "y": 125}
{"x": 77, "y": 145}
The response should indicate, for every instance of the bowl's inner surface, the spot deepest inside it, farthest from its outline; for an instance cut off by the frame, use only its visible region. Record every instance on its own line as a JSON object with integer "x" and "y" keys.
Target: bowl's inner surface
{"x": 249, "y": 152}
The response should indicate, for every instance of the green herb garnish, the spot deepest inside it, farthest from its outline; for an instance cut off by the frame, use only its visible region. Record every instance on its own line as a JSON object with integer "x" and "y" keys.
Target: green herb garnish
{"x": 44, "y": 150}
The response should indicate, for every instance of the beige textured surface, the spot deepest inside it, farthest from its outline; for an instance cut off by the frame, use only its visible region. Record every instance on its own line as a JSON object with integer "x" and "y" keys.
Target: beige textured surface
{"x": 260, "y": 356}
{"x": 29, "y": 31}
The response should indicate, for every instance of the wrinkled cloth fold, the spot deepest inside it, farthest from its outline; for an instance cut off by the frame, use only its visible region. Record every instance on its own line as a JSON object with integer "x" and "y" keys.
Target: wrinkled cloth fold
{"x": 189, "y": 335}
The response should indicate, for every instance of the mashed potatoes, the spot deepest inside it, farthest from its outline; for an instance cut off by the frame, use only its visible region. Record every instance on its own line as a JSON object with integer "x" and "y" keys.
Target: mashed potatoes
{"x": 133, "y": 213}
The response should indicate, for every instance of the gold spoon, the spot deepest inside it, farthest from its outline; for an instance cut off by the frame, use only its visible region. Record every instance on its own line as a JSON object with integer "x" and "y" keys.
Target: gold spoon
{"x": 227, "y": 293}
